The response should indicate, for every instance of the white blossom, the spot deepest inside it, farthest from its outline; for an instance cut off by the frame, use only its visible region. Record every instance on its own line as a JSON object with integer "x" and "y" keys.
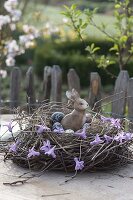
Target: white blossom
{"x": 12, "y": 27}
{"x": 3, "y": 73}
{"x": 31, "y": 31}
{"x": 65, "y": 20}
{"x": 10, "y": 5}
{"x": 16, "y": 14}
{"x": 12, "y": 48}
{"x": 10, "y": 61}
{"x": 4, "y": 19}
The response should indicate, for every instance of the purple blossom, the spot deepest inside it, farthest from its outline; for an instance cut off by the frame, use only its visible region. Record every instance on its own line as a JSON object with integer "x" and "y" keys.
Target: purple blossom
{"x": 51, "y": 152}
{"x": 128, "y": 136}
{"x": 46, "y": 146}
{"x": 120, "y": 137}
{"x": 97, "y": 140}
{"x": 9, "y": 126}
{"x": 32, "y": 152}
{"x": 108, "y": 138}
{"x": 105, "y": 119}
{"x": 115, "y": 123}
{"x": 42, "y": 128}
{"x": 13, "y": 147}
{"x": 81, "y": 133}
{"x": 47, "y": 149}
{"x": 79, "y": 165}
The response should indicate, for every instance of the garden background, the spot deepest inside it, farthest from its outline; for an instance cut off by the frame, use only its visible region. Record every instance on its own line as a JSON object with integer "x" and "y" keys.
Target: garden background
{"x": 58, "y": 44}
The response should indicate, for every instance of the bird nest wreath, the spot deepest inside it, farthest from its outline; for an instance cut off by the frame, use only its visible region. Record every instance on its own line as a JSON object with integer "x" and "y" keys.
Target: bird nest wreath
{"x": 43, "y": 144}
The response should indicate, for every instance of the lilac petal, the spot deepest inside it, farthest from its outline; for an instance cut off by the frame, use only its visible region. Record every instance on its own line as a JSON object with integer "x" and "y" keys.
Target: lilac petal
{"x": 13, "y": 147}
{"x": 79, "y": 165}
{"x": 108, "y": 138}
{"x": 116, "y": 123}
{"x": 42, "y": 128}
{"x": 46, "y": 146}
{"x": 105, "y": 119}
{"x": 96, "y": 141}
{"x": 120, "y": 137}
{"x": 128, "y": 136}
{"x": 51, "y": 152}
{"x": 81, "y": 133}
{"x": 9, "y": 126}
{"x": 33, "y": 153}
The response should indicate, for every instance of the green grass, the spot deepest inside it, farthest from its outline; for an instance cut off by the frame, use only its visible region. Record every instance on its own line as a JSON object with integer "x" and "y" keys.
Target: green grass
{"x": 53, "y": 14}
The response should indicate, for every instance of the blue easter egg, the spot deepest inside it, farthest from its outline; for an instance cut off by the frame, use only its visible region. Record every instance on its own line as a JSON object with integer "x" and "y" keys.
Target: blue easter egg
{"x": 57, "y": 126}
{"x": 57, "y": 116}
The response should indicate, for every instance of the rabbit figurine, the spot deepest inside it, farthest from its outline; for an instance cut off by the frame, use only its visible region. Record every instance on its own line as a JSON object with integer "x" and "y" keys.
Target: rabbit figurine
{"x": 77, "y": 117}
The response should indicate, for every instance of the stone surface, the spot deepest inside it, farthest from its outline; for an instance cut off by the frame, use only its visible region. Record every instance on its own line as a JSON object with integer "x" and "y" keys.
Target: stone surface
{"x": 111, "y": 185}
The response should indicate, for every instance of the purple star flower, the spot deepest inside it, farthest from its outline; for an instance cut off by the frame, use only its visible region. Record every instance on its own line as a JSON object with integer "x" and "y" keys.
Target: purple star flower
{"x": 47, "y": 149}
{"x": 51, "y": 152}
{"x": 42, "y": 128}
{"x": 108, "y": 138}
{"x": 120, "y": 137}
{"x": 97, "y": 140}
{"x": 33, "y": 153}
{"x": 115, "y": 123}
{"x": 105, "y": 119}
{"x": 46, "y": 146}
{"x": 13, "y": 147}
{"x": 79, "y": 165}
{"x": 128, "y": 136}
{"x": 9, "y": 126}
{"x": 81, "y": 133}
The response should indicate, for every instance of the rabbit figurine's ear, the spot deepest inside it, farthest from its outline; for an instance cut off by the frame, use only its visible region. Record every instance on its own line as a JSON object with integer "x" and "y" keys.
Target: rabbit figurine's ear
{"x": 75, "y": 94}
{"x": 69, "y": 95}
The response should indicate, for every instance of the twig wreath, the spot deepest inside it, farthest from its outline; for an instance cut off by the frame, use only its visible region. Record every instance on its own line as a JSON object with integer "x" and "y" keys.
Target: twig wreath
{"x": 100, "y": 144}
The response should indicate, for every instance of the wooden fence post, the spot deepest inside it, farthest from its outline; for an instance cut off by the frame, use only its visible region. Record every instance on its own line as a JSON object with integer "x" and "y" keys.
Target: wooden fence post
{"x": 56, "y": 84}
{"x": 47, "y": 82}
{"x": 15, "y": 87}
{"x": 130, "y": 102}
{"x": 95, "y": 92}
{"x": 73, "y": 80}
{"x": 30, "y": 90}
{"x": 119, "y": 97}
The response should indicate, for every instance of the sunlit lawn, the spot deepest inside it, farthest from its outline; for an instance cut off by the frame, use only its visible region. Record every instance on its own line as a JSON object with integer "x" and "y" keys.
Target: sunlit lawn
{"x": 39, "y": 15}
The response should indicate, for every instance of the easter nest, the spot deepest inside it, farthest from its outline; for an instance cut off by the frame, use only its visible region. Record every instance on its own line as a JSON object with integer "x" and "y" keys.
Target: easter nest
{"x": 101, "y": 144}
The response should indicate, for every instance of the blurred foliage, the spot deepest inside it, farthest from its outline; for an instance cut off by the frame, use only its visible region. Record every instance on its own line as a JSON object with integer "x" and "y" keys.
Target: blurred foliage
{"x": 74, "y": 56}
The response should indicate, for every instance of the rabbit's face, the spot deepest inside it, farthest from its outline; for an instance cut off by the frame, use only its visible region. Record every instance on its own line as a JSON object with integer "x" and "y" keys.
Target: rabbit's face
{"x": 80, "y": 104}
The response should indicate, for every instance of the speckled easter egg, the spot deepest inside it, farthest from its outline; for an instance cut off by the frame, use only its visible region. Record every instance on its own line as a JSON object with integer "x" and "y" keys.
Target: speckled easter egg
{"x": 57, "y": 125}
{"x": 57, "y": 117}
{"x": 86, "y": 125}
{"x": 69, "y": 131}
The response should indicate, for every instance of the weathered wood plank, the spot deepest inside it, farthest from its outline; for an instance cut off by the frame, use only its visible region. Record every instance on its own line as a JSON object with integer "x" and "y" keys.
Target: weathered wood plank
{"x": 15, "y": 87}
{"x": 47, "y": 82}
{"x": 30, "y": 90}
{"x": 56, "y": 84}
{"x": 130, "y": 102}
{"x": 73, "y": 80}
{"x": 119, "y": 97}
{"x": 95, "y": 92}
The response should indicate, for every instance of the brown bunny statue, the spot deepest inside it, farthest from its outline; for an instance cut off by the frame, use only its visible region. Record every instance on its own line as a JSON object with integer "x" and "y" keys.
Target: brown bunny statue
{"x": 76, "y": 119}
